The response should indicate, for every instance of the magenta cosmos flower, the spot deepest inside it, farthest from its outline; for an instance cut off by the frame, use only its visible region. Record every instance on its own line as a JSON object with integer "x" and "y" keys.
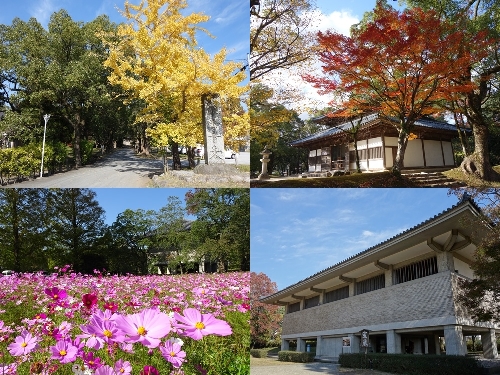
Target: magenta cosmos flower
{"x": 149, "y": 370}
{"x": 172, "y": 353}
{"x": 23, "y": 344}
{"x": 89, "y": 300}
{"x": 196, "y": 325}
{"x": 64, "y": 351}
{"x": 56, "y": 294}
{"x": 147, "y": 327}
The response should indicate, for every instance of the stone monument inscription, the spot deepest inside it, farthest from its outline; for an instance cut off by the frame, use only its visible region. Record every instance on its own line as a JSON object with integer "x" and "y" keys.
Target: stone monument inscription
{"x": 213, "y": 132}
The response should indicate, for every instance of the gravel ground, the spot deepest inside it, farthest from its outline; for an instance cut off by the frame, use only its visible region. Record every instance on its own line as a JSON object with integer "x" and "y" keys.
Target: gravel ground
{"x": 266, "y": 366}
{"x": 187, "y": 178}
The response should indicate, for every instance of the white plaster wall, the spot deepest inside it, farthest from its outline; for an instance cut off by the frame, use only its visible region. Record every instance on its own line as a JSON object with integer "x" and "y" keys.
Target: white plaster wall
{"x": 391, "y": 141}
{"x": 448, "y": 153}
{"x": 463, "y": 268}
{"x": 376, "y": 164}
{"x": 413, "y": 154}
{"x": 362, "y": 165}
{"x": 388, "y": 157}
{"x": 375, "y": 142}
{"x": 312, "y": 153}
{"x": 433, "y": 155}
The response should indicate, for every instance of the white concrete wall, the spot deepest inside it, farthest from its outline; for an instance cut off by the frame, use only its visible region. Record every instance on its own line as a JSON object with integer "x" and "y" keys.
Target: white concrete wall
{"x": 463, "y": 268}
{"x": 433, "y": 153}
{"x": 331, "y": 346}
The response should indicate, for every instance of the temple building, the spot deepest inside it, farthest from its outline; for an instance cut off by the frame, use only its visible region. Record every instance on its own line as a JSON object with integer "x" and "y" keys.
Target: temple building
{"x": 332, "y": 150}
{"x": 400, "y": 294}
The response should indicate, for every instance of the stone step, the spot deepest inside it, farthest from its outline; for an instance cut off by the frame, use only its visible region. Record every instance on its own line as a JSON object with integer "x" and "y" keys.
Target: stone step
{"x": 432, "y": 179}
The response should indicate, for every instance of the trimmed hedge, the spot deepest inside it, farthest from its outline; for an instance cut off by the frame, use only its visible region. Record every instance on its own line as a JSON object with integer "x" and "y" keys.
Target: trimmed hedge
{"x": 292, "y": 356}
{"x": 413, "y": 364}
{"x": 259, "y": 353}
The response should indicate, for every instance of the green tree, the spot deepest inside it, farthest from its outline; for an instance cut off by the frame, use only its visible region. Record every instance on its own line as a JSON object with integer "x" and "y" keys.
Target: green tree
{"x": 222, "y": 226}
{"x": 23, "y": 229}
{"x": 76, "y": 224}
{"x": 279, "y": 35}
{"x": 133, "y": 236}
{"x": 59, "y": 71}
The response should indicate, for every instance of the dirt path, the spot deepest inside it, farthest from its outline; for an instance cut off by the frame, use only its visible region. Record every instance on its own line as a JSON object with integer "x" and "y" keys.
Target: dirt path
{"x": 119, "y": 169}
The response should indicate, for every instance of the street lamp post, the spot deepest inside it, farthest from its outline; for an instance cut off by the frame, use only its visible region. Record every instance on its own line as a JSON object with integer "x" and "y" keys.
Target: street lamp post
{"x": 46, "y": 118}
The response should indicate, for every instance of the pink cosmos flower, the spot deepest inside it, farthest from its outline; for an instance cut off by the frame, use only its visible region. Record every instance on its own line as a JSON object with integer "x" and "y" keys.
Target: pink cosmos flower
{"x": 56, "y": 294}
{"x": 146, "y": 327}
{"x": 93, "y": 341}
{"x": 23, "y": 344}
{"x": 105, "y": 370}
{"x": 106, "y": 330}
{"x": 64, "y": 351}
{"x": 89, "y": 300}
{"x": 149, "y": 370}
{"x": 172, "y": 353}
{"x": 196, "y": 325}
{"x": 8, "y": 368}
{"x": 123, "y": 367}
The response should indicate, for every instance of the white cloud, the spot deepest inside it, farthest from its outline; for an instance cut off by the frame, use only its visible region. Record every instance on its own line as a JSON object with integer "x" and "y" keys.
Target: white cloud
{"x": 43, "y": 10}
{"x": 231, "y": 12}
{"x": 341, "y": 21}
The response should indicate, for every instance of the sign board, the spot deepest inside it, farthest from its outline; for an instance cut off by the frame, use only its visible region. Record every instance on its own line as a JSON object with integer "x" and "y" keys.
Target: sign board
{"x": 365, "y": 339}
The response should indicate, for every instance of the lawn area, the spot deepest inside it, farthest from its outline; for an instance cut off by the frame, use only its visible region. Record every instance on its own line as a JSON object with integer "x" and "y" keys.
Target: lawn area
{"x": 366, "y": 180}
{"x": 471, "y": 181}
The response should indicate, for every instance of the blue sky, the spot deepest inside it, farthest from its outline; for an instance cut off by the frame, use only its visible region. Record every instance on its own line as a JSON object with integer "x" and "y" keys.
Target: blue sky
{"x": 115, "y": 201}
{"x": 229, "y": 21}
{"x": 298, "y": 232}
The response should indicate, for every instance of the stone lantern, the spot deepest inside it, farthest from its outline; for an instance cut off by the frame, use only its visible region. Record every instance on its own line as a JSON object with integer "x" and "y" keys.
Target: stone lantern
{"x": 265, "y": 159}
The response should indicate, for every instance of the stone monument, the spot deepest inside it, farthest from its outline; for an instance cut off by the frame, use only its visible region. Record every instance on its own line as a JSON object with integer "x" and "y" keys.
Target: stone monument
{"x": 213, "y": 134}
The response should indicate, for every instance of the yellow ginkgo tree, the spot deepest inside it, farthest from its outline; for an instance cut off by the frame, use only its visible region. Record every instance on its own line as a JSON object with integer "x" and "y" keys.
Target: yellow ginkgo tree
{"x": 159, "y": 63}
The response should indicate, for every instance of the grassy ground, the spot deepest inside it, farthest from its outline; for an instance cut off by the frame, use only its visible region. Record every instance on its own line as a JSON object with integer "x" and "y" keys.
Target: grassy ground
{"x": 472, "y": 181}
{"x": 374, "y": 180}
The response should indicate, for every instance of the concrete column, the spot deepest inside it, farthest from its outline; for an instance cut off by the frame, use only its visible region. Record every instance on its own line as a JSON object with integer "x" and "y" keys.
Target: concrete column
{"x": 352, "y": 289}
{"x": 285, "y": 345}
{"x": 393, "y": 342}
{"x": 454, "y": 340}
{"x": 488, "y": 339}
{"x": 302, "y": 304}
{"x": 301, "y": 345}
{"x": 437, "y": 345}
{"x": 319, "y": 348}
{"x": 388, "y": 277}
{"x": 445, "y": 261}
{"x": 321, "y": 297}
{"x": 355, "y": 342}
{"x": 426, "y": 345}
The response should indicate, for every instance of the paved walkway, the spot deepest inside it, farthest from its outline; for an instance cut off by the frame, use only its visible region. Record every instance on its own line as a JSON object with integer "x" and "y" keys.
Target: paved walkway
{"x": 267, "y": 366}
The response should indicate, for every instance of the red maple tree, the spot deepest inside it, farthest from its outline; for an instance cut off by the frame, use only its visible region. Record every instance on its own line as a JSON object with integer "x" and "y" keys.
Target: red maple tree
{"x": 400, "y": 64}
{"x": 265, "y": 320}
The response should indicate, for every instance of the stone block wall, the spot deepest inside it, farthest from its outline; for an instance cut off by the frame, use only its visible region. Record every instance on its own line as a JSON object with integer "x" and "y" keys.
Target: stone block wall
{"x": 425, "y": 298}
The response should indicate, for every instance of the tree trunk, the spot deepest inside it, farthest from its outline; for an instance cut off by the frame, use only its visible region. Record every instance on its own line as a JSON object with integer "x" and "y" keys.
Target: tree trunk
{"x": 190, "y": 155}
{"x": 76, "y": 141}
{"x": 478, "y": 163}
{"x": 144, "y": 147}
{"x": 400, "y": 155}
{"x": 176, "y": 158}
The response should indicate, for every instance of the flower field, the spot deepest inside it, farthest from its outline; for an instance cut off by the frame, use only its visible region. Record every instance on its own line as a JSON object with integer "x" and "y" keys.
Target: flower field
{"x": 69, "y": 323}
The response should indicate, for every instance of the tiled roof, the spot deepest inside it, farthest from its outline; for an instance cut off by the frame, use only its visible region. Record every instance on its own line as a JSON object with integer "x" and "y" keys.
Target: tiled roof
{"x": 423, "y": 122}
{"x": 462, "y": 202}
